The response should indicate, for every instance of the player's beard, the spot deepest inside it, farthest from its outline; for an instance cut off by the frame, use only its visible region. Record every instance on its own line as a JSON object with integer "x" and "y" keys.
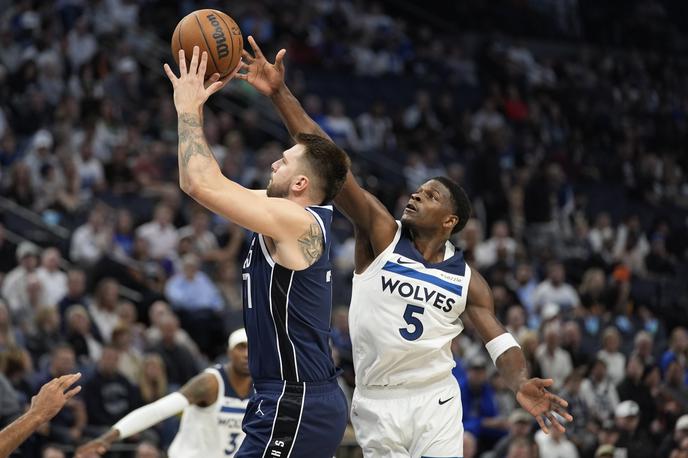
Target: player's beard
{"x": 275, "y": 190}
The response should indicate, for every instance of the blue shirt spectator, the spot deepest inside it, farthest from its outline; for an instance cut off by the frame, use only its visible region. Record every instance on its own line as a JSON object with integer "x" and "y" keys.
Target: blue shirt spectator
{"x": 192, "y": 289}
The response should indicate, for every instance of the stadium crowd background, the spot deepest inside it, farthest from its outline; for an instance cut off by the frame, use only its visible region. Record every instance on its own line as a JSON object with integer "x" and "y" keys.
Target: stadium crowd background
{"x": 566, "y": 121}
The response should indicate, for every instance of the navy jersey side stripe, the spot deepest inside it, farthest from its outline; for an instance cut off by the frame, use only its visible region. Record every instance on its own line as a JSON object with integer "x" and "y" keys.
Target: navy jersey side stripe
{"x": 287, "y": 420}
{"x": 280, "y": 284}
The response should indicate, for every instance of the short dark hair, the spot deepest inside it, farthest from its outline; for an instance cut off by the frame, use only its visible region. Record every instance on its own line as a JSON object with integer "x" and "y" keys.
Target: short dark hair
{"x": 329, "y": 162}
{"x": 461, "y": 204}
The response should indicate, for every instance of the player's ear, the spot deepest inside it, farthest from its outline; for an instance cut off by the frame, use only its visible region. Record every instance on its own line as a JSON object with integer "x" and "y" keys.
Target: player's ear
{"x": 300, "y": 183}
{"x": 450, "y": 222}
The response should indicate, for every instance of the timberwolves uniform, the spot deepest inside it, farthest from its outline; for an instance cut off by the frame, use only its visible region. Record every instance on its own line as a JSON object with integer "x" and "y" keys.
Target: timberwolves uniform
{"x": 404, "y": 314}
{"x": 298, "y": 409}
{"x": 213, "y": 431}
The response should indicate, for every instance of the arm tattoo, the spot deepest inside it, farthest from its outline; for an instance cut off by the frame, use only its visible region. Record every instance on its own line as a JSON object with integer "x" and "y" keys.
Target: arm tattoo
{"x": 311, "y": 243}
{"x": 191, "y": 139}
{"x": 197, "y": 390}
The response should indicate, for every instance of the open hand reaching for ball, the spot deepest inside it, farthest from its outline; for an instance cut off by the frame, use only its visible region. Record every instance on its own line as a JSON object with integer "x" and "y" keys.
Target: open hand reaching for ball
{"x": 267, "y": 78}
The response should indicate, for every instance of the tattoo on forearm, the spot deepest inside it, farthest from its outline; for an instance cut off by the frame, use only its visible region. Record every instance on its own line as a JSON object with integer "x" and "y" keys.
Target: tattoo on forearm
{"x": 311, "y": 243}
{"x": 191, "y": 140}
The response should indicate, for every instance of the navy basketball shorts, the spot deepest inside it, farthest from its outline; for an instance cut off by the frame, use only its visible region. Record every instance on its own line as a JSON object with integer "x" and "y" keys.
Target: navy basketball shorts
{"x": 294, "y": 419}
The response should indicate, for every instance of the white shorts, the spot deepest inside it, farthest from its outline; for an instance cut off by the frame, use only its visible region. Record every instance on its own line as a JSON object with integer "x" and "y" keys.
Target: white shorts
{"x": 405, "y": 422}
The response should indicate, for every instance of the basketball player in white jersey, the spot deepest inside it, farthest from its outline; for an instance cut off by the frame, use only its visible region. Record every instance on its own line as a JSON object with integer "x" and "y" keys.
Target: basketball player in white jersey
{"x": 213, "y": 405}
{"x": 409, "y": 289}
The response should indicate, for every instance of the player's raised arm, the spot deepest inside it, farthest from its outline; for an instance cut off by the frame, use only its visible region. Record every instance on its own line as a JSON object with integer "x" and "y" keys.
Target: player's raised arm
{"x": 200, "y": 176}
{"x": 364, "y": 210}
{"x": 200, "y": 390}
{"x": 508, "y": 357}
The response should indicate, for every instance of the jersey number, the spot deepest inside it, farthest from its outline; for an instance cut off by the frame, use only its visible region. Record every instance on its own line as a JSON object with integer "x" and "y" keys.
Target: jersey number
{"x": 232, "y": 446}
{"x": 246, "y": 279}
{"x": 412, "y": 321}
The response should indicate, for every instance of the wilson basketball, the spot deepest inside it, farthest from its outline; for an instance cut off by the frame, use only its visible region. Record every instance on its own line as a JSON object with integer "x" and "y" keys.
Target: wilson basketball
{"x": 214, "y": 32}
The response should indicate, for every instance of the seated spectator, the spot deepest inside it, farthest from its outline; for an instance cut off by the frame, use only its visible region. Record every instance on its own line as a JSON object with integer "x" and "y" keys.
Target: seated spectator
{"x": 555, "y": 290}
{"x": 203, "y": 240}
{"x": 160, "y": 234}
{"x": 10, "y": 336}
{"x": 18, "y": 368}
{"x": 674, "y": 388}
{"x": 15, "y": 288}
{"x": 179, "y": 362}
{"x": 130, "y": 359}
{"x": 634, "y": 440}
{"x": 46, "y": 332}
{"x": 480, "y": 415}
{"x": 572, "y": 342}
{"x": 79, "y": 334}
{"x": 76, "y": 292}
{"x": 103, "y": 309}
{"x": 54, "y": 281}
{"x": 643, "y": 348}
{"x": 8, "y": 261}
{"x": 91, "y": 240}
{"x": 198, "y": 302}
{"x": 123, "y": 234}
{"x": 20, "y": 188}
{"x": 598, "y": 392}
{"x": 52, "y": 451}
{"x": 522, "y": 447}
{"x": 678, "y": 347}
{"x": 108, "y": 394}
{"x": 520, "y": 426}
{"x": 10, "y": 407}
{"x": 516, "y": 321}
{"x": 610, "y": 354}
{"x": 128, "y": 316}
{"x": 675, "y": 439}
{"x": 152, "y": 380}
{"x": 156, "y": 313}
{"x": 487, "y": 251}
{"x": 633, "y": 388}
{"x": 554, "y": 361}
{"x": 68, "y": 425}
{"x": 631, "y": 246}
{"x": 147, "y": 450}
{"x": 555, "y": 444}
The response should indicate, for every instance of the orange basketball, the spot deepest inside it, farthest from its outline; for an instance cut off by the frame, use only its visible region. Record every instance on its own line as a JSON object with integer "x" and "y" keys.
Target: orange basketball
{"x": 213, "y": 32}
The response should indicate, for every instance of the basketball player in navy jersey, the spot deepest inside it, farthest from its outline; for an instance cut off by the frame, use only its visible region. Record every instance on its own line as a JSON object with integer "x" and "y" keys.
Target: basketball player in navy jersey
{"x": 410, "y": 286}
{"x": 298, "y": 409}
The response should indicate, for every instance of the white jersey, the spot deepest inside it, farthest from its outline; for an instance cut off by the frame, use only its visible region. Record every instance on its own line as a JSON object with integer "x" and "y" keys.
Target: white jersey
{"x": 404, "y": 314}
{"x": 213, "y": 431}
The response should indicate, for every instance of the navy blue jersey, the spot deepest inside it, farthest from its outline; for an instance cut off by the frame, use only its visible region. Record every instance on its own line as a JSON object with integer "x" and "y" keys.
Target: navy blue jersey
{"x": 287, "y": 313}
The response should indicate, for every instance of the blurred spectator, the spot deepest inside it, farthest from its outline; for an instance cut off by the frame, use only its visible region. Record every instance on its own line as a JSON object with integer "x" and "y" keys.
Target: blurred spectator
{"x": 147, "y": 450}
{"x": 678, "y": 347}
{"x": 516, "y": 321}
{"x": 555, "y": 290}
{"x": 610, "y": 354}
{"x": 92, "y": 240}
{"x": 108, "y": 394}
{"x": 634, "y": 440}
{"x": 643, "y": 348}
{"x": 470, "y": 445}
{"x": 376, "y": 129}
{"x": 555, "y": 444}
{"x": 631, "y": 246}
{"x": 17, "y": 283}
{"x": 179, "y": 362}
{"x": 10, "y": 408}
{"x": 522, "y": 447}
{"x": 103, "y": 309}
{"x": 158, "y": 310}
{"x": 500, "y": 245}
{"x": 554, "y": 361}
{"x": 480, "y": 415}
{"x": 340, "y": 127}
{"x": 123, "y": 235}
{"x": 130, "y": 359}
{"x": 46, "y": 332}
{"x": 79, "y": 334}
{"x": 152, "y": 379}
{"x": 572, "y": 342}
{"x": 52, "y": 451}
{"x": 633, "y": 388}
{"x": 160, "y": 234}
{"x": 675, "y": 438}
{"x": 54, "y": 281}
{"x": 7, "y": 254}
{"x": 520, "y": 425}
{"x": 674, "y": 388}
{"x": 202, "y": 239}
{"x": 90, "y": 171}
{"x": 76, "y": 291}
{"x": 9, "y": 335}
{"x": 598, "y": 392}
{"x": 198, "y": 302}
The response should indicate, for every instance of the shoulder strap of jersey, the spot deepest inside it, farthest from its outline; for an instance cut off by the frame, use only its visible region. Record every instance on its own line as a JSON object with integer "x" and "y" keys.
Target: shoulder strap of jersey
{"x": 380, "y": 260}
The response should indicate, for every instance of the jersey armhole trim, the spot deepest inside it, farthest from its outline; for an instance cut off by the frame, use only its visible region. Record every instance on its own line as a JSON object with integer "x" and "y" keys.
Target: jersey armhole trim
{"x": 376, "y": 265}
{"x": 320, "y": 223}
{"x": 266, "y": 252}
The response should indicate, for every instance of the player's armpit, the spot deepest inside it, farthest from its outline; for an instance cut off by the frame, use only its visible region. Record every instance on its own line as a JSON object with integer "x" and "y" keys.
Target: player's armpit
{"x": 201, "y": 390}
{"x": 311, "y": 243}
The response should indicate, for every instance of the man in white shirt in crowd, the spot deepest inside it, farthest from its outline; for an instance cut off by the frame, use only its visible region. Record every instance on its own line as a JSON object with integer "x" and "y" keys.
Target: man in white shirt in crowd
{"x": 54, "y": 281}
{"x": 15, "y": 288}
{"x": 555, "y": 444}
{"x": 487, "y": 252}
{"x": 555, "y": 289}
{"x": 554, "y": 361}
{"x": 160, "y": 233}
{"x": 91, "y": 240}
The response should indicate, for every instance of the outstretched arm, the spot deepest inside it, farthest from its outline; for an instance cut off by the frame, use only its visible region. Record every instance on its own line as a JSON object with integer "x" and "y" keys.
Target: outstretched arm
{"x": 375, "y": 226}
{"x": 200, "y": 176}
{"x": 44, "y": 406}
{"x": 200, "y": 390}
{"x": 530, "y": 393}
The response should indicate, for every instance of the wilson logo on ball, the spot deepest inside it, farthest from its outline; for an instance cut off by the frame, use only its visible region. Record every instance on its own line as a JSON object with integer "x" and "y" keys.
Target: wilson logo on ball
{"x": 219, "y": 37}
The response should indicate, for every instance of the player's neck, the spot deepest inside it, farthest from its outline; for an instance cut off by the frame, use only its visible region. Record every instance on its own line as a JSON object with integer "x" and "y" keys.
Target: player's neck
{"x": 303, "y": 200}
{"x": 430, "y": 246}
{"x": 240, "y": 383}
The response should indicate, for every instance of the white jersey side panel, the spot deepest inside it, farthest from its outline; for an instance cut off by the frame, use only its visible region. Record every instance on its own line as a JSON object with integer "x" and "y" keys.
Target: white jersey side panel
{"x": 213, "y": 431}
{"x": 404, "y": 314}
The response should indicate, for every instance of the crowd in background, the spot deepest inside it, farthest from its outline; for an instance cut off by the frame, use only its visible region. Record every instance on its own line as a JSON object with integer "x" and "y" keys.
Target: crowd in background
{"x": 569, "y": 139}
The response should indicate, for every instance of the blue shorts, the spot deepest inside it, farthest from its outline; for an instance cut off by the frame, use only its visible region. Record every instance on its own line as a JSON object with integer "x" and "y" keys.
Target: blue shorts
{"x": 295, "y": 419}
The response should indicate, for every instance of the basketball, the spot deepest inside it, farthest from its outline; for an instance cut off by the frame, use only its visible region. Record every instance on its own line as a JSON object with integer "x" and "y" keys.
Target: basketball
{"x": 213, "y": 32}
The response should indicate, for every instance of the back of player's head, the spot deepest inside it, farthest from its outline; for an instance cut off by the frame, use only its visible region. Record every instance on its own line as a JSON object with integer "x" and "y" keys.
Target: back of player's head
{"x": 327, "y": 161}
{"x": 461, "y": 204}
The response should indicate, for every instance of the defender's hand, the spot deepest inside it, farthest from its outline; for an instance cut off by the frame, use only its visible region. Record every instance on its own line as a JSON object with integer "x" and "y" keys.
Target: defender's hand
{"x": 540, "y": 403}
{"x": 267, "y": 78}
{"x": 53, "y": 396}
{"x": 190, "y": 92}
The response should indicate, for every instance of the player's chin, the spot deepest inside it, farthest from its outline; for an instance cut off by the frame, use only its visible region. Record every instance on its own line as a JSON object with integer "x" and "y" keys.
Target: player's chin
{"x": 408, "y": 218}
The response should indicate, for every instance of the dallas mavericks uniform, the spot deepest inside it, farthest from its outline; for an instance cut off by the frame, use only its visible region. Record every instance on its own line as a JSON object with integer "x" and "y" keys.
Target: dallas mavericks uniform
{"x": 213, "y": 431}
{"x": 404, "y": 314}
{"x": 298, "y": 409}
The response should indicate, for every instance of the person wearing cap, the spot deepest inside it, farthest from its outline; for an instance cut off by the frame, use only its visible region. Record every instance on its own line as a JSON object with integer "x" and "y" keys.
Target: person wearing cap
{"x": 213, "y": 405}
{"x": 635, "y": 441}
{"x": 674, "y": 440}
{"x": 16, "y": 286}
{"x": 520, "y": 425}
{"x": 605, "y": 451}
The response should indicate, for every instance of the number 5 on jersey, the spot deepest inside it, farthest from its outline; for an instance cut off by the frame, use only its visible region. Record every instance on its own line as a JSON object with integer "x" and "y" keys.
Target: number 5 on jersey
{"x": 412, "y": 321}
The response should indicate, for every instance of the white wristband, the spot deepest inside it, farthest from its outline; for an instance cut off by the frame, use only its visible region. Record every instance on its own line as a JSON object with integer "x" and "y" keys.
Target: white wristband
{"x": 499, "y": 345}
{"x": 151, "y": 414}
